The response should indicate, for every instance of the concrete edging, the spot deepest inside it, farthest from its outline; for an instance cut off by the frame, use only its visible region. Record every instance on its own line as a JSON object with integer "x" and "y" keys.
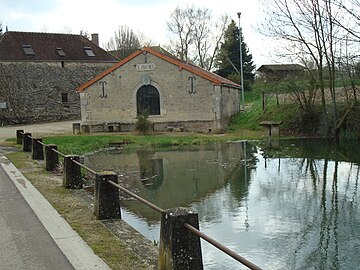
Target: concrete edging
{"x": 79, "y": 254}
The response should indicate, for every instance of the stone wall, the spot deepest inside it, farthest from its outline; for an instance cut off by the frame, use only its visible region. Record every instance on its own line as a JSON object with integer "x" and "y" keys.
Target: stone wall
{"x": 41, "y": 92}
{"x": 229, "y": 104}
{"x": 179, "y": 126}
{"x": 117, "y": 104}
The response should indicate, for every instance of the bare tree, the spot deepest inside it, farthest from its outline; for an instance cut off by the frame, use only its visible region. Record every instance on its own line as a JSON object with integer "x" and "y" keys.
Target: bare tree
{"x": 181, "y": 24}
{"x": 347, "y": 69}
{"x": 197, "y": 35}
{"x": 85, "y": 33}
{"x": 352, "y": 9}
{"x": 124, "y": 39}
{"x": 207, "y": 39}
{"x": 310, "y": 28}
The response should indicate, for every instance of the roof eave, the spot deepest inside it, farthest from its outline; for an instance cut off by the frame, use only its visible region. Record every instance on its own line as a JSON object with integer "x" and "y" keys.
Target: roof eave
{"x": 182, "y": 65}
{"x": 236, "y": 86}
{"x": 108, "y": 71}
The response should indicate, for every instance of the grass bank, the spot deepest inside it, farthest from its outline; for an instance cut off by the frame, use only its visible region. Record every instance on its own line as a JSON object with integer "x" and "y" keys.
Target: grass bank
{"x": 71, "y": 206}
{"x": 257, "y": 111}
{"x": 88, "y": 143}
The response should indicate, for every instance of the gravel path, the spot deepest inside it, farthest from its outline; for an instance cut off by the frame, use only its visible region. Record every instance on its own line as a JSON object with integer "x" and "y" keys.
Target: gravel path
{"x": 38, "y": 130}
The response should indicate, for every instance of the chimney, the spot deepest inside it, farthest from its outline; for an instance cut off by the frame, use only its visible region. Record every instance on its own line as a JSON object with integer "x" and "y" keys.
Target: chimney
{"x": 95, "y": 39}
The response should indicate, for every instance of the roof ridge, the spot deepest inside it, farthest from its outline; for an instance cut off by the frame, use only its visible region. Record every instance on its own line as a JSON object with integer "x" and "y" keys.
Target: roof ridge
{"x": 202, "y": 72}
{"x": 49, "y": 33}
{"x": 43, "y": 43}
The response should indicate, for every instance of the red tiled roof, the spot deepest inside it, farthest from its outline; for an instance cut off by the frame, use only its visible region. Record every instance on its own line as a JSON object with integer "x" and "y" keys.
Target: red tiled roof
{"x": 45, "y": 46}
{"x": 216, "y": 79}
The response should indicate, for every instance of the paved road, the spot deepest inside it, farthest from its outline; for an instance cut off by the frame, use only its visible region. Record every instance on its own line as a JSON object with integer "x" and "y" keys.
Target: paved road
{"x": 32, "y": 233}
{"x": 38, "y": 129}
{"x": 24, "y": 242}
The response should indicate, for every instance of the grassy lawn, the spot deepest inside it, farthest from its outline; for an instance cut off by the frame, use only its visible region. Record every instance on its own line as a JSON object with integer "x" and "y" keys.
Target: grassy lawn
{"x": 81, "y": 144}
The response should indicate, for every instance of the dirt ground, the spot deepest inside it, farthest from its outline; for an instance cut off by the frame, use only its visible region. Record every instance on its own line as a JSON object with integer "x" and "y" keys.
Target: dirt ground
{"x": 38, "y": 130}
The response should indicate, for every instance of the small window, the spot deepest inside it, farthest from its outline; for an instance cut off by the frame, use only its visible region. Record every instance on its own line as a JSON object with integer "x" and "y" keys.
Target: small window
{"x": 64, "y": 98}
{"x": 60, "y": 51}
{"x": 62, "y": 64}
{"x": 89, "y": 51}
{"x": 28, "y": 50}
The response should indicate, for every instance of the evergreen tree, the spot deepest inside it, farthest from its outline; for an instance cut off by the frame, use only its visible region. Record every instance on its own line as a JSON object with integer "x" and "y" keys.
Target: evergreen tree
{"x": 228, "y": 57}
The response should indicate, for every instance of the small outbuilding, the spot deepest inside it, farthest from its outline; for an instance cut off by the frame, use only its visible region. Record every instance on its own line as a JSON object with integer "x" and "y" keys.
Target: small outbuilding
{"x": 277, "y": 72}
{"x": 176, "y": 95}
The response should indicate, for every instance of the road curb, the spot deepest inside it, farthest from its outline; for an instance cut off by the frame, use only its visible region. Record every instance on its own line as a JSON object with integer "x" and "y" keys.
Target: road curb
{"x": 79, "y": 254}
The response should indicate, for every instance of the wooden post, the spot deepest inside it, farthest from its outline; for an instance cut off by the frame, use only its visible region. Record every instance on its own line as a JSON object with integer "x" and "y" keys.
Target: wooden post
{"x": 19, "y": 136}
{"x": 263, "y": 102}
{"x": 51, "y": 158}
{"x": 72, "y": 173}
{"x": 26, "y": 142}
{"x": 37, "y": 149}
{"x": 179, "y": 248}
{"x": 107, "y": 201}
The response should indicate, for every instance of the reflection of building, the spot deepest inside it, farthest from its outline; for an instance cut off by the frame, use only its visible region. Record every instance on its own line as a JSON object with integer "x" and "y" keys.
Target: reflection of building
{"x": 175, "y": 178}
{"x": 151, "y": 169}
{"x": 177, "y": 96}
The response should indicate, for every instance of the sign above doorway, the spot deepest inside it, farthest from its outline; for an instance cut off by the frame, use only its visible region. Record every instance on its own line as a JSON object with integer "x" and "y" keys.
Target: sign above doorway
{"x": 145, "y": 67}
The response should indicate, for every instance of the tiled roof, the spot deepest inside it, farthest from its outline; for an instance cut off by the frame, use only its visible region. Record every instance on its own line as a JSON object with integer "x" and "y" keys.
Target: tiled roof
{"x": 47, "y": 47}
{"x": 216, "y": 79}
{"x": 281, "y": 67}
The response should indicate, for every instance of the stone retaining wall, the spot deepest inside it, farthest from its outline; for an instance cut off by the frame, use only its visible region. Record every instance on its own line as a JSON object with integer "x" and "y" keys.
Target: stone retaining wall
{"x": 180, "y": 126}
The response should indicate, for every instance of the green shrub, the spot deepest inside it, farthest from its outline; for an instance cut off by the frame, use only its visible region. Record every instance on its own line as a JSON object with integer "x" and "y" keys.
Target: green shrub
{"x": 143, "y": 125}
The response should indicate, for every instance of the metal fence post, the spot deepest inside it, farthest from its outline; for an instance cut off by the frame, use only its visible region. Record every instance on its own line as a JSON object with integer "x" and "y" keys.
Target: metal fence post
{"x": 51, "y": 158}
{"x": 26, "y": 142}
{"x": 107, "y": 201}
{"x": 19, "y": 136}
{"x": 37, "y": 149}
{"x": 179, "y": 248}
{"x": 72, "y": 172}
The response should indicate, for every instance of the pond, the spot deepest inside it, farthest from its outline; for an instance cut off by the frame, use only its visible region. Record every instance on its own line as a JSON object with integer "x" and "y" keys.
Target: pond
{"x": 280, "y": 204}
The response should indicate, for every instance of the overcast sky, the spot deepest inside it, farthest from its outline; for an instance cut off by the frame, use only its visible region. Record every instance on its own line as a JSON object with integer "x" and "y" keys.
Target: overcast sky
{"x": 147, "y": 16}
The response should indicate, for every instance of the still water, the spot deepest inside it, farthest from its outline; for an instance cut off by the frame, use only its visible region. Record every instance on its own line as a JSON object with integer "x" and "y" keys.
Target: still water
{"x": 281, "y": 205}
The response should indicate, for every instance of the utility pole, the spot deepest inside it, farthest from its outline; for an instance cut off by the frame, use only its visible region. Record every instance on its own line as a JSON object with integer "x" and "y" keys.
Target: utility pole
{"x": 241, "y": 67}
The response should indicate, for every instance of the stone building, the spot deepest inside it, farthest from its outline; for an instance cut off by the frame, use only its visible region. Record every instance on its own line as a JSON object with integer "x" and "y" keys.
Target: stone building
{"x": 176, "y": 95}
{"x": 39, "y": 73}
{"x": 278, "y": 72}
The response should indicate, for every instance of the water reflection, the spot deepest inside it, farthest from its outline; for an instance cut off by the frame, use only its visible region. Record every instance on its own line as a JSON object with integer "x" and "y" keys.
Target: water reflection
{"x": 284, "y": 205}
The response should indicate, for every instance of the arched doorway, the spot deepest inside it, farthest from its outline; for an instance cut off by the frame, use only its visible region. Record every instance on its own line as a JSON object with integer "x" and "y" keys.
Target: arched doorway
{"x": 148, "y": 100}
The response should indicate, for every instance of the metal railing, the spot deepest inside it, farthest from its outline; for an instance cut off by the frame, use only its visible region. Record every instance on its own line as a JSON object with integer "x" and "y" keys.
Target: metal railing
{"x": 151, "y": 205}
{"x": 59, "y": 153}
{"x": 84, "y": 167}
{"x": 221, "y": 247}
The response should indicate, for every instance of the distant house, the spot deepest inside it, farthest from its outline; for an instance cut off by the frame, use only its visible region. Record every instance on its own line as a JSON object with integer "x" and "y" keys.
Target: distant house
{"x": 177, "y": 95}
{"x": 39, "y": 73}
{"x": 281, "y": 71}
